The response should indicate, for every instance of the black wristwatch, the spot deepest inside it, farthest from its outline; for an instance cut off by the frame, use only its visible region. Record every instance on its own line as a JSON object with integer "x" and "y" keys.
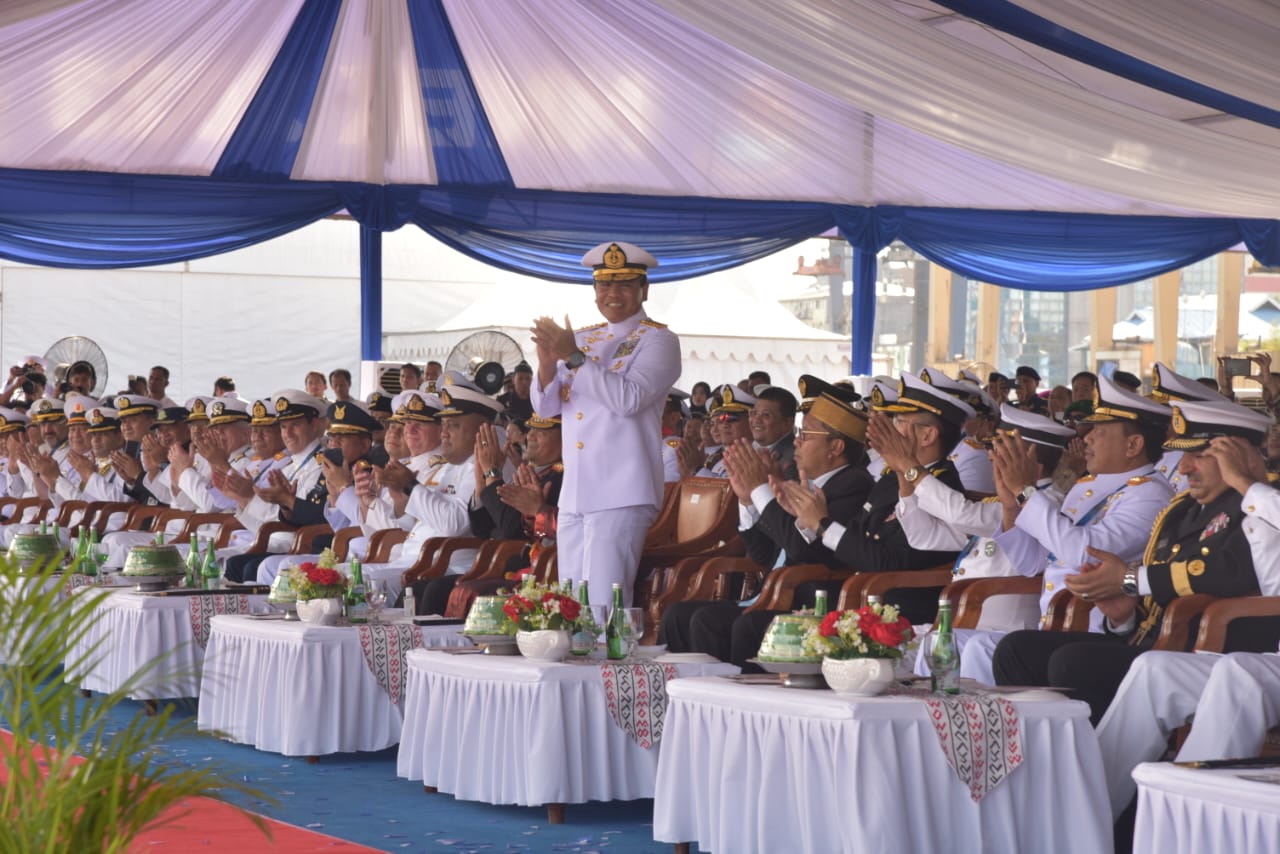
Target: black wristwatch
{"x": 494, "y": 473}
{"x": 576, "y": 359}
{"x": 823, "y": 524}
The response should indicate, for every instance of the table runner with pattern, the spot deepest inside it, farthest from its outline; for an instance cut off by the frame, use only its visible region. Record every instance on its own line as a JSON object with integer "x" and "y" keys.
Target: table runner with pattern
{"x": 637, "y": 698}
{"x": 385, "y": 647}
{"x": 204, "y": 608}
{"x": 980, "y": 737}
{"x": 73, "y": 581}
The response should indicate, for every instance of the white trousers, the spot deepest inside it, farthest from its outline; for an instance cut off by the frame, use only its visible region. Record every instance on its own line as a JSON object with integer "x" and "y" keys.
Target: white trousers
{"x": 1234, "y": 699}
{"x": 603, "y": 547}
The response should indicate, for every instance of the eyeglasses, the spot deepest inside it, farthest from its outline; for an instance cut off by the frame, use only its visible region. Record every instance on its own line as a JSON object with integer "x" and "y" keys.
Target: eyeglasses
{"x": 805, "y": 433}
{"x": 727, "y": 419}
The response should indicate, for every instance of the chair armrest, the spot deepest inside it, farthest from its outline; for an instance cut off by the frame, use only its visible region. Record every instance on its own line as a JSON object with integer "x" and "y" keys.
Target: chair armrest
{"x": 780, "y": 585}
{"x": 195, "y": 520}
{"x": 492, "y": 559}
{"x": 881, "y": 583}
{"x": 263, "y": 538}
{"x": 1175, "y": 623}
{"x": 342, "y": 540}
{"x": 1068, "y": 612}
{"x": 969, "y": 595}
{"x": 425, "y": 564}
{"x": 1218, "y": 616}
{"x": 304, "y": 538}
{"x": 545, "y": 568}
{"x": 105, "y": 510}
{"x": 64, "y": 512}
{"x": 381, "y": 543}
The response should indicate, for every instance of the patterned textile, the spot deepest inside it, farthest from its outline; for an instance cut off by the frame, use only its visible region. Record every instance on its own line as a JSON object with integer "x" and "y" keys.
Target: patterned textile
{"x": 637, "y": 697}
{"x": 980, "y": 737}
{"x": 205, "y": 608}
{"x": 385, "y": 647}
{"x": 74, "y": 580}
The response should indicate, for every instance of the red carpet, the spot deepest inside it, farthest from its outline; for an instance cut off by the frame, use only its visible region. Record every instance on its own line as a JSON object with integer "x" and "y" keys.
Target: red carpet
{"x": 206, "y": 825}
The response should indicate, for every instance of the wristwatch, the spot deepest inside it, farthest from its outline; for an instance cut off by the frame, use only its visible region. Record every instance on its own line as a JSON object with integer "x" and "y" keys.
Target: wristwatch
{"x": 576, "y": 358}
{"x": 1129, "y": 586}
{"x": 823, "y": 524}
{"x": 912, "y": 474}
{"x": 494, "y": 473}
{"x": 1025, "y": 495}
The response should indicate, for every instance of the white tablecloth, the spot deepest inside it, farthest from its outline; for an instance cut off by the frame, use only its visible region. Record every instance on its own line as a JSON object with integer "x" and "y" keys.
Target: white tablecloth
{"x": 135, "y": 630}
{"x": 762, "y": 768}
{"x": 298, "y": 689}
{"x": 1201, "y": 809}
{"x": 510, "y": 730}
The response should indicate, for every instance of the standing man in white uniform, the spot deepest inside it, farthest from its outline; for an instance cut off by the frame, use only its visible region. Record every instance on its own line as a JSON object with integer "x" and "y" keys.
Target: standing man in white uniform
{"x": 609, "y": 383}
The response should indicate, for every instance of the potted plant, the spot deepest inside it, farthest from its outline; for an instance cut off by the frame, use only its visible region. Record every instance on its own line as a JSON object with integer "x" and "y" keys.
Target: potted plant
{"x": 859, "y": 648}
{"x": 319, "y": 591}
{"x": 544, "y": 620}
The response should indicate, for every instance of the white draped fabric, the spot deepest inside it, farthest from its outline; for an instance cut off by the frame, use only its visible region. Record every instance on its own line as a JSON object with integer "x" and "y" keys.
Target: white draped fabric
{"x": 1190, "y": 810}
{"x": 144, "y": 636}
{"x": 511, "y": 730}
{"x": 855, "y": 101}
{"x": 749, "y": 768}
{"x": 298, "y": 689}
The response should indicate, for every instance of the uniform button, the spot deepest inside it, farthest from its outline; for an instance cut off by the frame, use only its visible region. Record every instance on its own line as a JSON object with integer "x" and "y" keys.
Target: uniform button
{"x": 579, "y": 416}
{"x": 579, "y": 446}
{"x": 1088, "y": 493}
{"x": 961, "y": 571}
{"x": 1250, "y": 508}
{"x": 1048, "y": 585}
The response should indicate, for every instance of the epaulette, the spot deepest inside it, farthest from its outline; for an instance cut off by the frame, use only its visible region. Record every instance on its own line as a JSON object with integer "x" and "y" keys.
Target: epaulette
{"x": 1273, "y": 476}
{"x": 655, "y": 324}
{"x": 976, "y": 444}
{"x": 592, "y": 326}
{"x": 938, "y": 472}
{"x": 991, "y": 499}
{"x": 281, "y": 455}
{"x": 558, "y": 468}
{"x": 1089, "y": 478}
{"x": 674, "y": 443}
{"x": 1138, "y": 481}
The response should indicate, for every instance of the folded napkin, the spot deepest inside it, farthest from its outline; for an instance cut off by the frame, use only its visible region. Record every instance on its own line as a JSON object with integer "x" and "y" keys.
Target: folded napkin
{"x": 637, "y": 698}
{"x": 980, "y": 736}
{"x": 685, "y": 658}
{"x": 385, "y": 647}
{"x": 204, "y": 608}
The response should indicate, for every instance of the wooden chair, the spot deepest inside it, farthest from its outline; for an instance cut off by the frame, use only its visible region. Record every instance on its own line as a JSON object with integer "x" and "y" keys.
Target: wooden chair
{"x": 700, "y": 578}
{"x": 433, "y": 560}
{"x": 381, "y": 543}
{"x": 15, "y": 508}
{"x": 701, "y": 521}
{"x": 1218, "y": 615}
{"x": 780, "y": 585}
{"x": 970, "y": 594}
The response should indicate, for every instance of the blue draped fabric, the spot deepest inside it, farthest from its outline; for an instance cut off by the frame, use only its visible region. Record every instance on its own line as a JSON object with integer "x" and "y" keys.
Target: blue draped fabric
{"x": 463, "y": 146}
{"x": 370, "y": 294}
{"x": 1007, "y": 17}
{"x": 266, "y": 142}
{"x": 97, "y": 220}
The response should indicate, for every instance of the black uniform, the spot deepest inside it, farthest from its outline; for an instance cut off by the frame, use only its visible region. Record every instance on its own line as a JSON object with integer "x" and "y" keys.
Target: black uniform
{"x": 1194, "y": 548}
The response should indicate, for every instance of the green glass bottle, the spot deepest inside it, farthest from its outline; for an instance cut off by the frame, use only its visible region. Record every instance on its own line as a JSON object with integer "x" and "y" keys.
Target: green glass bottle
{"x": 209, "y": 569}
{"x": 93, "y": 557}
{"x": 159, "y": 538}
{"x": 193, "y": 563}
{"x": 820, "y": 603}
{"x": 615, "y": 633}
{"x": 944, "y": 655}
{"x": 356, "y": 607}
{"x": 585, "y": 631}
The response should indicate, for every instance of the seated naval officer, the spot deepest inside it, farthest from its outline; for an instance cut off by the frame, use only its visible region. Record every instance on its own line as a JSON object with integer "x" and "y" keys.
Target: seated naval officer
{"x": 1170, "y": 387}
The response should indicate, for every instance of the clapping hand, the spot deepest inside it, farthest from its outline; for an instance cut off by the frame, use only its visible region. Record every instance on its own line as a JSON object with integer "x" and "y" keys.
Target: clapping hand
{"x": 896, "y": 448}
{"x": 126, "y": 466}
{"x": 395, "y": 476}
{"x": 553, "y": 341}
{"x": 526, "y": 494}
{"x": 235, "y": 485}
{"x": 747, "y": 469}
{"x": 1014, "y": 466}
{"x": 801, "y": 499}
{"x": 154, "y": 453}
{"x": 278, "y": 489}
{"x": 1101, "y": 582}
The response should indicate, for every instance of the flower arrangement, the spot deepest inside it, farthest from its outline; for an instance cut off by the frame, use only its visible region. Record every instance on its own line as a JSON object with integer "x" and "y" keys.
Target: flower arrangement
{"x": 310, "y": 581}
{"x": 327, "y": 560}
{"x": 876, "y": 631}
{"x": 533, "y": 607}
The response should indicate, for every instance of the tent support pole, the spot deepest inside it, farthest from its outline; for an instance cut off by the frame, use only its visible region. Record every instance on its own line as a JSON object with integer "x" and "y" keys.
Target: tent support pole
{"x": 370, "y": 294}
{"x": 863, "y": 311}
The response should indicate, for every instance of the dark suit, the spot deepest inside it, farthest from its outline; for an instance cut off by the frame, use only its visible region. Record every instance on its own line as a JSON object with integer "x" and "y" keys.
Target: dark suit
{"x": 873, "y": 541}
{"x": 1193, "y": 549}
{"x": 706, "y": 626}
{"x": 138, "y": 492}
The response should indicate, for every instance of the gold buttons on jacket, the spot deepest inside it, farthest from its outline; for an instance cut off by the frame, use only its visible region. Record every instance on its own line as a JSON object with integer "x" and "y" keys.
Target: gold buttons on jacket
{"x": 579, "y": 416}
{"x": 1048, "y": 585}
{"x": 579, "y": 446}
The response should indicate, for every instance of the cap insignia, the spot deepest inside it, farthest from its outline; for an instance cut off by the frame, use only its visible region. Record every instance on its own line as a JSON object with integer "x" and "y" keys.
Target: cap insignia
{"x": 1179, "y": 422}
{"x": 282, "y": 404}
{"x": 614, "y": 257}
{"x": 340, "y": 412}
{"x": 259, "y": 410}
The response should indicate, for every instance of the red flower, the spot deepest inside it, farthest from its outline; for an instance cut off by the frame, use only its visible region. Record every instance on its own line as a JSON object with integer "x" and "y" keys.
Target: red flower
{"x": 515, "y": 606}
{"x": 888, "y": 634}
{"x": 322, "y": 577}
{"x": 828, "y": 627}
{"x": 570, "y": 608}
{"x": 307, "y": 567}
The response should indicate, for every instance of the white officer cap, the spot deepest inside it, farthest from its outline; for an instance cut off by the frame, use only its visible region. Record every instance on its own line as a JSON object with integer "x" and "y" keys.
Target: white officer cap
{"x": 291, "y": 403}
{"x": 1114, "y": 403}
{"x": 1196, "y": 422}
{"x": 1169, "y": 386}
{"x": 618, "y": 260}
{"x": 227, "y": 410}
{"x": 1034, "y": 428}
{"x": 916, "y": 395}
{"x": 12, "y": 420}
{"x": 198, "y": 406}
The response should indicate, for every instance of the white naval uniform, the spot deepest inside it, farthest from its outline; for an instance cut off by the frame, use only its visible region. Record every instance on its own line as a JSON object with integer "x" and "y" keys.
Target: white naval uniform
{"x": 974, "y": 467}
{"x": 1049, "y": 536}
{"x": 305, "y": 472}
{"x": 439, "y": 508}
{"x": 611, "y": 413}
{"x": 1167, "y": 468}
{"x": 670, "y": 459}
{"x": 1234, "y": 699}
